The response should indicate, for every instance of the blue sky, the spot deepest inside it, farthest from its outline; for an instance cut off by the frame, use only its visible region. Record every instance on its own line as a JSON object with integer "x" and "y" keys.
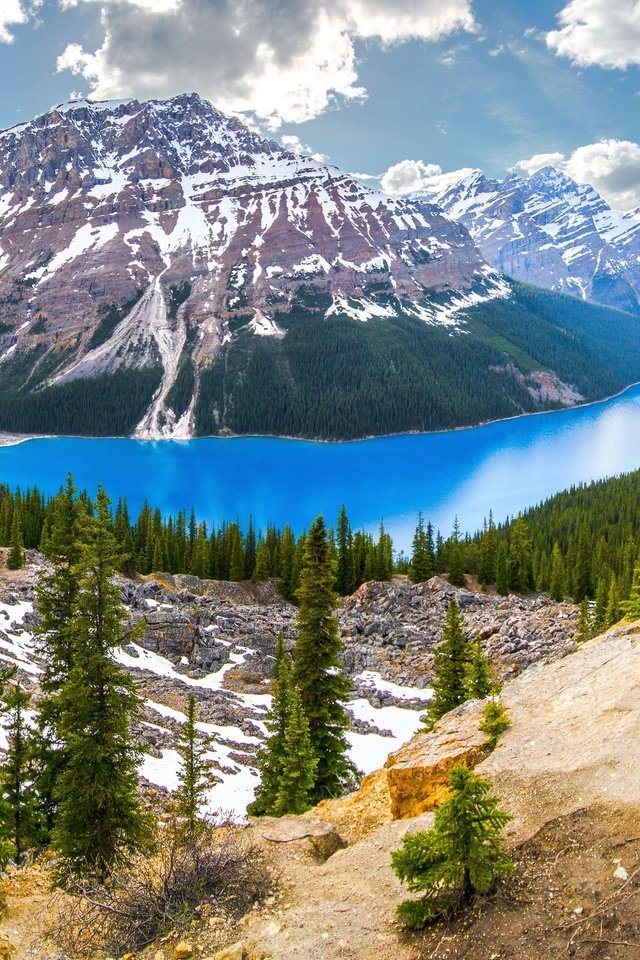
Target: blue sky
{"x": 371, "y": 84}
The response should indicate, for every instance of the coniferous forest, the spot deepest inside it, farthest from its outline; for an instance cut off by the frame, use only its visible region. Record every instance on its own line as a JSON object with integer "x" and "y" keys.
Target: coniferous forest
{"x": 582, "y": 544}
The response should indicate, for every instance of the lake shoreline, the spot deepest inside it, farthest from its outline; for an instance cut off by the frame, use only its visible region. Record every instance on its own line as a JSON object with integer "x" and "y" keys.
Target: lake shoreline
{"x": 13, "y": 439}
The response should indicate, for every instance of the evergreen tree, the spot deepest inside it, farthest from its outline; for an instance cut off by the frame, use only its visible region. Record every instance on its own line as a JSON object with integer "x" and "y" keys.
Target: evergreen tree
{"x": 582, "y": 570}
{"x": 584, "y": 628}
{"x": 99, "y": 822}
{"x": 478, "y": 681}
{"x": 237, "y": 564}
{"x": 463, "y": 853}
{"x": 19, "y": 806}
{"x": 194, "y": 778}
{"x": 271, "y": 757}
{"x": 450, "y": 665}
{"x": 16, "y": 555}
{"x": 345, "y": 572}
{"x": 299, "y": 766}
{"x": 558, "y": 584}
{"x": 317, "y": 672}
{"x": 488, "y": 554}
{"x": 520, "y": 557}
{"x": 56, "y": 639}
{"x": 600, "y": 610}
{"x": 261, "y": 568}
{"x": 456, "y": 556}
{"x": 631, "y": 606}
{"x": 422, "y": 567}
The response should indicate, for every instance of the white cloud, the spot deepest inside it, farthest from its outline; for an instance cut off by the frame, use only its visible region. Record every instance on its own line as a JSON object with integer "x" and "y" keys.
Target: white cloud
{"x": 12, "y": 14}
{"x": 408, "y": 176}
{"x": 277, "y": 60}
{"x": 604, "y": 33}
{"x": 293, "y": 143}
{"x": 612, "y": 167}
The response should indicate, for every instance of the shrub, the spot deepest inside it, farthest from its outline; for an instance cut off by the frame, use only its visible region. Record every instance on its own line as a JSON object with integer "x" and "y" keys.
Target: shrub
{"x": 495, "y": 720}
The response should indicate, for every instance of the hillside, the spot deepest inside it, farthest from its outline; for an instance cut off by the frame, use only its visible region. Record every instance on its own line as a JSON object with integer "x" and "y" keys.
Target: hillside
{"x": 166, "y": 272}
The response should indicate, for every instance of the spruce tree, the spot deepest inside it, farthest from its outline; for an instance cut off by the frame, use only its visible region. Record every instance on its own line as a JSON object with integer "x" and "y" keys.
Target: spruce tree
{"x": 600, "y": 611}
{"x": 345, "y": 574}
{"x": 271, "y": 757}
{"x": 317, "y": 671}
{"x": 194, "y": 778}
{"x": 287, "y": 561}
{"x": 584, "y": 628}
{"x": 299, "y": 766}
{"x": 99, "y": 822}
{"x": 56, "y": 603}
{"x": 450, "y": 665}
{"x": 422, "y": 567}
{"x": 456, "y": 556}
{"x": 463, "y": 854}
{"x": 19, "y": 806}
{"x": 582, "y": 570}
{"x": 558, "y": 584}
{"x": 16, "y": 555}
{"x": 478, "y": 681}
{"x": 631, "y": 606}
{"x": 520, "y": 557}
{"x": 488, "y": 554}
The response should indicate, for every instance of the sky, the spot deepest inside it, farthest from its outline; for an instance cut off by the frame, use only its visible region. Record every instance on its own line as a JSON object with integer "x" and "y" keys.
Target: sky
{"x": 394, "y": 90}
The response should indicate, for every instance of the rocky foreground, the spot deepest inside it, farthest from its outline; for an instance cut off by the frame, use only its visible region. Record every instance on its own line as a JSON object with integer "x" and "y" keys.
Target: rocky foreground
{"x": 216, "y": 640}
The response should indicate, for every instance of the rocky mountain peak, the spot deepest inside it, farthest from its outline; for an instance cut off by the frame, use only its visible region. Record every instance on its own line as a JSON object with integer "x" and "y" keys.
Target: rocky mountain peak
{"x": 188, "y": 230}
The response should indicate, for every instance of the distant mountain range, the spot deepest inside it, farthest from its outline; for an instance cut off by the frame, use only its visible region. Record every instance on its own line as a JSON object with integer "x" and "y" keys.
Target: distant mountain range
{"x": 166, "y": 272}
{"x": 548, "y": 230}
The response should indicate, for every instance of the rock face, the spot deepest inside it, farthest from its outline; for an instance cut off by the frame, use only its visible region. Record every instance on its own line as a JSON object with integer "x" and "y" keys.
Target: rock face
{"x": 418, "y": 774}
{"x": 548, "y": 230}
{"x": 138, "y": 235}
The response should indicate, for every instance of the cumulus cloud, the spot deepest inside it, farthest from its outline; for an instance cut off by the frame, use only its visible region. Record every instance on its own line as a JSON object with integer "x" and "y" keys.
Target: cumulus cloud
{"x": 612, "y": 167}
{"x": 12, "y": 14}
{"x": 293, "y": 143}
{"x": 277, "y": 60}
{"x": 598, "y": 32}
{"x": 407, "y": 176}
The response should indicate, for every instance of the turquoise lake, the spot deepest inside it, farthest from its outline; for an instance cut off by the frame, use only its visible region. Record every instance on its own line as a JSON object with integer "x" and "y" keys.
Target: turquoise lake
{"x": 507, "y": 466}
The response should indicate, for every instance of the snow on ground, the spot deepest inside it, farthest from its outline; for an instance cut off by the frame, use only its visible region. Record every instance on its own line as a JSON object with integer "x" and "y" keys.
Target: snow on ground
{"x": 369, "y": 678}
{"x": 370, "y": 750}
{"x": 16, "y": 646}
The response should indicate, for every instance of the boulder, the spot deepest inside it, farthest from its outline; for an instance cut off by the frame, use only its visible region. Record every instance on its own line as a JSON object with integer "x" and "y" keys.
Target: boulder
{"x": 418, "y": 773}
{"x": 315, "y": 839}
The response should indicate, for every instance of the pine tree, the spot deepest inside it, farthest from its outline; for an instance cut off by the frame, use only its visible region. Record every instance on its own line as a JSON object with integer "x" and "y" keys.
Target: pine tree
{"x": 450, "y": 664}
{"x": 520, "y": 557}
{"x": 299, "y": 766}
{"x": 422, "y": 567}
{"x": 582, "y": 573}
{"x": 17, "y": 774}
{"x": 194, "y": 778}
{"x": 456, "y": 556}
{"x": 236, "y": 570}
{"x": 345, "y": 573}
{"x": 16, "y": 555}
{"x": 478, "y": 681}
{"x": 271, "y": 757}
{"x": 584, "y": 628}
{"x": 56, "y": 603}
{"x": 99, "y": 822}
{"x": 600, "y": 610}
{"x": 463, "y": 853}
{"x": 488, "y": 554}
{"x": 631, "y": 606}
{"x": 317, "y": 672}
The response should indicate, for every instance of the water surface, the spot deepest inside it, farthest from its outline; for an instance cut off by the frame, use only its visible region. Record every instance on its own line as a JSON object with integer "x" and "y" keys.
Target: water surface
{"x": 507, "y": 466}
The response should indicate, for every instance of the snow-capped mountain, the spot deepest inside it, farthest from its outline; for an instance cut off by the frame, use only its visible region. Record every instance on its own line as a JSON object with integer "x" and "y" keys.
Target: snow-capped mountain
{"x": 139, "y": 234}
{"x": 548, "y": 230}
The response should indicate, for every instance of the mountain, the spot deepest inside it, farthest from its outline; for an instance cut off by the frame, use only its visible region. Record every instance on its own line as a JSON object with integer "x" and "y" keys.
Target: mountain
{"x": 548, "y": 230}
{"x": 166, "y": 272}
